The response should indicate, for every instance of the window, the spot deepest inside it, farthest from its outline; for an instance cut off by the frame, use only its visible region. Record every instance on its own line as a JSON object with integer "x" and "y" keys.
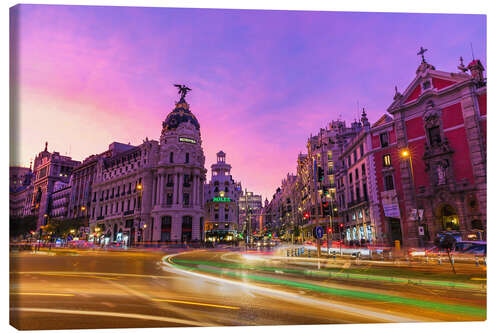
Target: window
{"x": 187, "y": 157}
{"x": 363, "y": 169}
{"x": 434, "y": 135}
{"x": 329, "y": 155}
{"x": 349, "y": 160}
{"x": 357, "y": 174}
{"x": 358, "y": 196}
{"x": 384, "y": 140}
{"x": 426, "y": 85}
{"x": 361, "y": 150}
{"x": 170, "y": 198}
{"x": 387, "y": 160}
{"x": 355, "y": 156}
{"x": 350, "y": 178}
{"x": 171, "y": 157}
{"x": 185, "y": 199}
{"x": 388, "y": 183}
{"x": 365, "y": 192}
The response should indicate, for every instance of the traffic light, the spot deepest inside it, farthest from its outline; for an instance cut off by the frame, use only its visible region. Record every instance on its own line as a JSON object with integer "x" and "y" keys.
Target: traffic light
{"x": 306, "y": 215}
{"x": 270, "y": 235}
{"x": 329, "y": 230}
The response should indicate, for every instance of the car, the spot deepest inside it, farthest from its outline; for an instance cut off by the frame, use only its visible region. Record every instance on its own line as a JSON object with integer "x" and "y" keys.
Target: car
{"x": 477, "y": 249}
{"x": 465, "y": 245}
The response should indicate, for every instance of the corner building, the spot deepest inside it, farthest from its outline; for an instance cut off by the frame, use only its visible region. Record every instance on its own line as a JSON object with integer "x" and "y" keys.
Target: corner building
{"x": 153, "y": 192}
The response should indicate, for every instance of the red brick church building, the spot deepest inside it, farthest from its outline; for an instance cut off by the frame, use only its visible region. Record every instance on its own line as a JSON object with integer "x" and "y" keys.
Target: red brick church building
{"x": 440, "y": 131}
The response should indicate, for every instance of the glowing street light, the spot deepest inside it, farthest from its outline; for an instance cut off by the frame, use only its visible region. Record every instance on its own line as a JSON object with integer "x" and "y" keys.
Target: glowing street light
{"x": 83, "y": 208}
{"x": 405, "y": 153}
{"x": 139, "y": 187}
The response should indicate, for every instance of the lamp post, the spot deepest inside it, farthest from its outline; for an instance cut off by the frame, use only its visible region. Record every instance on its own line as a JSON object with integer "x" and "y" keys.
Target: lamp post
{"x": 139, "y": 206}
{"x": 405, "y": 153}
{"x": 83, "y": 210}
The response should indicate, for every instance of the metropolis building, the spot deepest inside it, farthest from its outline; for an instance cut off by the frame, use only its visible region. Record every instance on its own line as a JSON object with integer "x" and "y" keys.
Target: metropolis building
{"x": 152, "y": 192}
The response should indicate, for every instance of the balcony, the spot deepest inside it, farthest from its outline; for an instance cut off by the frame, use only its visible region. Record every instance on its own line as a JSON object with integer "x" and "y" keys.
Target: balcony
{"x": 185, "y": 205}
{"x": 128, "y": 212}
{"x": 357, "y": 202}
{"x": 99, "y": 218}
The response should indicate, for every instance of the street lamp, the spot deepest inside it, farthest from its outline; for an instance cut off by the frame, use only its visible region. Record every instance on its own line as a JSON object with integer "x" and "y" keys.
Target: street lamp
{"x": 405, "y": 153}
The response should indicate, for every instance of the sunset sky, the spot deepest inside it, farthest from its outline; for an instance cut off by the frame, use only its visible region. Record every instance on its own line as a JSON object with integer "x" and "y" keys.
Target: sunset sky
{"x": 262, "y": 81}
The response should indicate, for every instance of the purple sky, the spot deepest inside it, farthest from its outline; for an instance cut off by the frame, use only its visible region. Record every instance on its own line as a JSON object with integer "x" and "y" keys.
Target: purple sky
{"x": 262, "y": 81}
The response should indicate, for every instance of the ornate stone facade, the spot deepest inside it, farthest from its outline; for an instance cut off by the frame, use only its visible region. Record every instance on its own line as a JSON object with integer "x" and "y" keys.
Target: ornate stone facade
{"x": 440, "y": 120}
{"x": 153, "y": 192}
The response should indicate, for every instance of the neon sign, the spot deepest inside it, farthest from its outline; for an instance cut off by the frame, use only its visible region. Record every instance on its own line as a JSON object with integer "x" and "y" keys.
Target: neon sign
{"x": 221, "y": 199}
{"x": 188, "y": 140}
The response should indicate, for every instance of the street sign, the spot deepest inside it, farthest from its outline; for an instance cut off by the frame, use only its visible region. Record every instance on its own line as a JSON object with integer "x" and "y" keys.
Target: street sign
{"x": 318, "y": 232}
{"x": 421, "y": 231}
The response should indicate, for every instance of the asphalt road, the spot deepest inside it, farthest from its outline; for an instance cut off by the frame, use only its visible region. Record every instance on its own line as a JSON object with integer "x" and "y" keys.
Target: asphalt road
{"x": 99, "y": 289}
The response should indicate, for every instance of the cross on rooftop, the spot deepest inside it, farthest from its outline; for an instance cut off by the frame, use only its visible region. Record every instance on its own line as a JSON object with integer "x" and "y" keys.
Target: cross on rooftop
{"x": 421, "y": 53}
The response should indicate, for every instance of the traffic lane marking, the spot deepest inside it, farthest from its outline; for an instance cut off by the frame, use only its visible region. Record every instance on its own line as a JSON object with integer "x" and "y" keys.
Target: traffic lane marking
{"x": 113, "y": 314}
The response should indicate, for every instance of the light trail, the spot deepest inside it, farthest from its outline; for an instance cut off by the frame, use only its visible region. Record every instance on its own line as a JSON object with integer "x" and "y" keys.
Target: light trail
{"x": 358, "y": 311}
{"x": 327, "y": 273}
{"x": 434, "y": 306}
{"x": 196, "y": 303}
{"x": 114, "y": 314}
{"x": 41, "y": 294}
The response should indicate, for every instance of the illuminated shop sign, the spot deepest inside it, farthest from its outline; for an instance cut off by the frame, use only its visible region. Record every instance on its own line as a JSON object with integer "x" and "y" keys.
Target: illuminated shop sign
{"x": 221, "y": 199}
{"x": 188, "y": 140}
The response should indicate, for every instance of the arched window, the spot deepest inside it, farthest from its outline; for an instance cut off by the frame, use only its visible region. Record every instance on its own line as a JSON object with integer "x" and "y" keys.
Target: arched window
{"x": 187, "y": 157}
{"x": 171, "y": 157}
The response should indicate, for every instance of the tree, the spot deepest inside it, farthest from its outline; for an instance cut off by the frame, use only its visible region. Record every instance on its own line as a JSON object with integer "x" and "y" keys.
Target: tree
{"x": 447, "y": 242}
{"x": 20, "y": 226}
{"x": 62, "y": 227}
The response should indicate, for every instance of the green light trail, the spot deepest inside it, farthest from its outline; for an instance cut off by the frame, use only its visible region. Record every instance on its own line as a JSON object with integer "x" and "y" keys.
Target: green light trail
{"x": 434, "y": 306}
{"x": 330, "y": 274}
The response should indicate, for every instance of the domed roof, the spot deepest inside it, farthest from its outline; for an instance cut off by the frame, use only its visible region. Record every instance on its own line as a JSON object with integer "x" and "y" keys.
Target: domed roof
{"x": 181, "y": 114}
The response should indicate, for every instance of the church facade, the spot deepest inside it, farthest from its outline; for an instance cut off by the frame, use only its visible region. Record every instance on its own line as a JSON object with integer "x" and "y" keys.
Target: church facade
{"x": 440, "y": 124}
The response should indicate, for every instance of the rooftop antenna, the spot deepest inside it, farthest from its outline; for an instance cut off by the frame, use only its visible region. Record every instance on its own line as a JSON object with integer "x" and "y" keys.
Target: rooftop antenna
{"x": 472, "y": 51}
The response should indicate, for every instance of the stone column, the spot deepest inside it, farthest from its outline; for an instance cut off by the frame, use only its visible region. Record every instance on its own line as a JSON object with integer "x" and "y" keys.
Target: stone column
{"x": 179, "y": 194}
{"x": 176, "y": 185}
{"x": 162, "y": 189}
{"x": 158, "y": 187}
{"x": 153, "y": 192}
{"x": 195, "y": 191}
